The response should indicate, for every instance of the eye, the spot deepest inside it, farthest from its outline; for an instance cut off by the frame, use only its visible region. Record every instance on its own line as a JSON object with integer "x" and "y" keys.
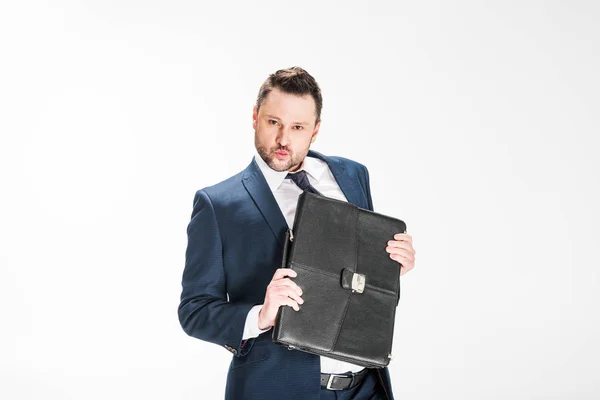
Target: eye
{"x": 298, "y": 127}
{"x": 272, "y": 122}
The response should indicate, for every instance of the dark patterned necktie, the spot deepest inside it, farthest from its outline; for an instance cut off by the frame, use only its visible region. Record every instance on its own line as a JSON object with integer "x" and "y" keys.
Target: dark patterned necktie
{"x": 301, "y": 180}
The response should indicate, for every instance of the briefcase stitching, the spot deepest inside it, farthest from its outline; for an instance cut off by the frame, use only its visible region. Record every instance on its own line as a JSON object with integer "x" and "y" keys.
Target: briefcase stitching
{"x": 355, "y": 270}
{"x": 330, "y": 274}
{"x": 308, "y": 268}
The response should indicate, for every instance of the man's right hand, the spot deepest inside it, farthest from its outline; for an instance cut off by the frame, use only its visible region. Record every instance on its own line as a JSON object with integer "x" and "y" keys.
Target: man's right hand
{"x": 281, "y": 291}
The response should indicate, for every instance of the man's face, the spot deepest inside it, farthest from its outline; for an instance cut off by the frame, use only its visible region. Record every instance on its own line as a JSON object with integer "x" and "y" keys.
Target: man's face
{"x": 284, "y": 129}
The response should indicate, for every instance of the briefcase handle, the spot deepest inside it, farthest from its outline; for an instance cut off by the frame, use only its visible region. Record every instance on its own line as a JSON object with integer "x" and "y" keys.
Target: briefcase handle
{"x": 289, "y": 238}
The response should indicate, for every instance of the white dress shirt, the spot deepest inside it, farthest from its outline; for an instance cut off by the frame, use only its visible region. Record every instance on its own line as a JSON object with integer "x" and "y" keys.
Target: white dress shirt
{"x": 286, "y": 194}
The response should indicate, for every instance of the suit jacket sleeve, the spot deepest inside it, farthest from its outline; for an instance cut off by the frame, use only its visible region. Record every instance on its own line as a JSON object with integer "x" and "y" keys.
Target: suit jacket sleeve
{"x": 204, "y": 311}
{"x": 368, "y": 186}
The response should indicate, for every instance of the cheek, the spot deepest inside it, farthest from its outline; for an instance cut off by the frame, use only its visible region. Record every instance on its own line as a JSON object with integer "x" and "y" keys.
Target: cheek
{"x": 265, "y": 135}
{"x": 302, "y": 142}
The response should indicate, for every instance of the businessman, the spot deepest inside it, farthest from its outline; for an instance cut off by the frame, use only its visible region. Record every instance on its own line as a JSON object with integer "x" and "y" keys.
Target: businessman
{"x": 232, "y": 283}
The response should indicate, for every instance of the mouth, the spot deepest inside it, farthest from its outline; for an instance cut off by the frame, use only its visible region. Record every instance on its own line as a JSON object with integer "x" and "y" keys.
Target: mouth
{"x": 281, "y": 154}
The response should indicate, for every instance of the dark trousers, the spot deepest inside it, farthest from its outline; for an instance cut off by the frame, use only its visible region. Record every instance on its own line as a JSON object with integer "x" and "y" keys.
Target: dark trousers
{"x": 369, "y": 389}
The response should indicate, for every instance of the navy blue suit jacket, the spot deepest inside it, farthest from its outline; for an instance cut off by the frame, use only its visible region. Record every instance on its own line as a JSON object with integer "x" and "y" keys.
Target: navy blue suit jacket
{"x": 235, "y": 240}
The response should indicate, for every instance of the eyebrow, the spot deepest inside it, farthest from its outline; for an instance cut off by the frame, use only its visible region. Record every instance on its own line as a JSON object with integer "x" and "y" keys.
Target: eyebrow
{"x": 279, "y": 119}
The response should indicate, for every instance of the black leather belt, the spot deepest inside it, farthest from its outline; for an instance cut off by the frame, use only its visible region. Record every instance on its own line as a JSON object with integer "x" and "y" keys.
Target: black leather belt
{"x": 342, "y": 381}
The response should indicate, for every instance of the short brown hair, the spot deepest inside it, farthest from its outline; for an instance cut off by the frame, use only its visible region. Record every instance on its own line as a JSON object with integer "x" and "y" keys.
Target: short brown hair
{"x": 294, "y": 80}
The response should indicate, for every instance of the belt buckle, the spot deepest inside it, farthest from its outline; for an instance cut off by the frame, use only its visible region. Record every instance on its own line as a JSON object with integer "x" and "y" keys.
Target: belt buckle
{"x": 330, "y": 380}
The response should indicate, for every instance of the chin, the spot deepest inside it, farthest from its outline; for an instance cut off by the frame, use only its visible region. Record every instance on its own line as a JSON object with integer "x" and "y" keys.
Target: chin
{"x": 279, "y": 165}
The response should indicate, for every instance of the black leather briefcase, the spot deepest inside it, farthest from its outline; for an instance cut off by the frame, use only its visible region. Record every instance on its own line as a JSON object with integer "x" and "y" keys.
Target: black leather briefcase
{"x": 350, "y": 285}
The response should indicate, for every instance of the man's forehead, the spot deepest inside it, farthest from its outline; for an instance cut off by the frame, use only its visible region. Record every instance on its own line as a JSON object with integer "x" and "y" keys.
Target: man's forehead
{"x": 289, "y": 106}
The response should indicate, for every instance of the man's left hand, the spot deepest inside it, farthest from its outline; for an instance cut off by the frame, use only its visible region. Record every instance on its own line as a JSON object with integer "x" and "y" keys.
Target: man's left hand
{"x": 401, "y": 250}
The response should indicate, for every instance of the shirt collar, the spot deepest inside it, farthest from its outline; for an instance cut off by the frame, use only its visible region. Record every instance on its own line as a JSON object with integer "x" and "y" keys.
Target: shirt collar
{"x": 273, "y": 178}
{"x": 313, "y": 166}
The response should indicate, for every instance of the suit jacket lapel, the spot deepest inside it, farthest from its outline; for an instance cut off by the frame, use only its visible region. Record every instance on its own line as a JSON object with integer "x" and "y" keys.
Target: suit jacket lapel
{"x": 347, "y": 182}
{"x": 256, "y": 185}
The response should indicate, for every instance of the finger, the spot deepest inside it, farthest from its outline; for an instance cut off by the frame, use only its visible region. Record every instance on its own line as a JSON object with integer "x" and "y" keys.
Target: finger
{"x": 286, "y": 301}
{"x": 400, "y": 244}
{"x": 283, "y": 272}
{"x": 401, "y": 259}
{"x": 400, "y": 250}
{"x": 287, "y": 292}
{"x": 403, "y": 236}
{"x": 287, "y": 282}
{"x": 405, "y": 265}
{"x": 404, "y": 270}
{"x": 295, "y": 297}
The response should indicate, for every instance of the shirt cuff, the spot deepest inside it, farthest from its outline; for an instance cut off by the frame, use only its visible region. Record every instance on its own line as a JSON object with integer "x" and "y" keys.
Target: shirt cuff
{"x": 251, "y": 329}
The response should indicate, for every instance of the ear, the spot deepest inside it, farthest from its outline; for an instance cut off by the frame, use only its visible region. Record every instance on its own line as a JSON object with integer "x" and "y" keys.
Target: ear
{"x": 254, "y": 117}
{"x": 315, "y": 132}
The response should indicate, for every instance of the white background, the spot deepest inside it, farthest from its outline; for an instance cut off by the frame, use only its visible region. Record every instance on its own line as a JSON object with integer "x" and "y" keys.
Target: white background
{"x": 478, "y": 122}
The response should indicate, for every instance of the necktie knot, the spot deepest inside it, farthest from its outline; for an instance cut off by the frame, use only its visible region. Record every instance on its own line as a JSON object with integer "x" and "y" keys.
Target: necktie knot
{"x": 301, "y": 180}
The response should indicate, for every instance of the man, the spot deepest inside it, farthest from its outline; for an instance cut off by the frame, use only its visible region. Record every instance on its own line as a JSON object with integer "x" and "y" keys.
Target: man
{"x": 232, "y": 286}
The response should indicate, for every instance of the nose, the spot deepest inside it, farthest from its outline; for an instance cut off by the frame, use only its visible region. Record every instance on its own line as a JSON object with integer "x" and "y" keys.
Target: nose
{"x": 283, "y": 136}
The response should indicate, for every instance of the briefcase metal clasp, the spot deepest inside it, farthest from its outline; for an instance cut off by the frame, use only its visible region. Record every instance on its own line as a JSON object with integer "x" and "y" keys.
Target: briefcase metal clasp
{"x": 358, "y": 283}
{"x": 350, "y": 280}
